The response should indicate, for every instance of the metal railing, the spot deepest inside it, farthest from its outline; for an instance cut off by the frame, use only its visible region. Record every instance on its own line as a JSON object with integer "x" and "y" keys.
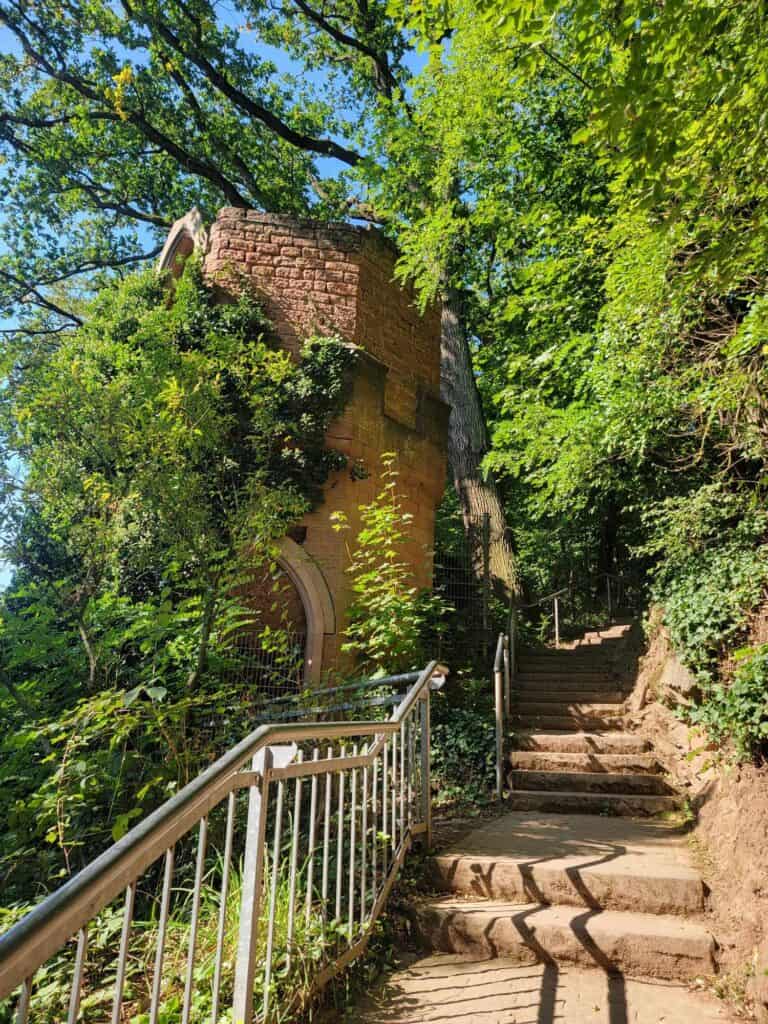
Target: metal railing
{"x": 503, "y": 670}
{"x": 272, "y": 865}
{"x": 615, "y": 592}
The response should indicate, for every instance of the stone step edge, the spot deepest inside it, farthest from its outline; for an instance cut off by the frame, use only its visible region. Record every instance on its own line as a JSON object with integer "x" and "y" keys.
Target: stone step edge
{"x": 646, "y": 945}
{"x": 588, "y": 740}
{"x": 590, "y": 761}
{"x": 523, "y": 707}
{"x": 565, "y": 723}
{"x": 661, "y": 888}
{"x": 559, "y": 781}
{"x": 553, "y": 800}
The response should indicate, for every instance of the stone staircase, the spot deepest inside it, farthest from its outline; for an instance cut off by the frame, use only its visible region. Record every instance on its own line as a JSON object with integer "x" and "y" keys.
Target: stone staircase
{"x": 569, "y": 753}
{"x": 579, "y": 904}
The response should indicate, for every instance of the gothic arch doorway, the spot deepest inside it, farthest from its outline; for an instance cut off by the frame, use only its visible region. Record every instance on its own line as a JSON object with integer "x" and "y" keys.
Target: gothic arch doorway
{"x": 316, "y": 598}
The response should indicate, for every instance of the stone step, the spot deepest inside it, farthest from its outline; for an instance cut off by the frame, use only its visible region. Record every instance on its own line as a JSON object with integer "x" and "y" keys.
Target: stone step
{"x": 576, "y": 698}
{"x": 614, "y": 881}
{"x": 566, "y": 707}
{"x": 590, "y": 782}
{"x": 570, "y": 802}
{"x": 447, "y": 989}
{"x": 566, "y": 722}
{"x": 581, "y": 742}
{"x": 567, "y": 664}
{"x": 552, "y": 761}
{"x": 562, "y": 681}
{"x": 601, "y": 862}
{"x": 640, "y": 945}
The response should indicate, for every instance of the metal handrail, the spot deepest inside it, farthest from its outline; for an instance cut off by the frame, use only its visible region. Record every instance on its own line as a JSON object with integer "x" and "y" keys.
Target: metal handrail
{"x": 398, "y": 800}
{"x": 555, "y": 596}
{"x": 502, "y": 705}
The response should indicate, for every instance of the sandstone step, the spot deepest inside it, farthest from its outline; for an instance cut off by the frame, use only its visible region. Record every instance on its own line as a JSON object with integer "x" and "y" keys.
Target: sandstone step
{"x": 644, "y": 945}
{"x": 570, "y": 802}
{"x": 447, "y": 989}
{"x": 567, "y": 663}
{"x": 581, "y": 742}
{"x": 556, "y": 704}
{"x": 614, "y": 881}
{"x": 577, "y": 859}
{"x": 564, "y": 682}
{"x": 566, "y": 722}
{"x": 590, "y": 782}
{"x": 552, "y": 761}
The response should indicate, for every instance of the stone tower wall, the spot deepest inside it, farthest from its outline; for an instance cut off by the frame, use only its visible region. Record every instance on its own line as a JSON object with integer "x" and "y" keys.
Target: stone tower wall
{"x": 339, "y": 279}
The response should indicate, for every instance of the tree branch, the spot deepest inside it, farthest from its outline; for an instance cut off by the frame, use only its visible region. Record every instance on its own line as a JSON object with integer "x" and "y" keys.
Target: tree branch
{"x": 324, "y": 147}
{"x": 386, "y": 81}
{"x": 186, "y": 160}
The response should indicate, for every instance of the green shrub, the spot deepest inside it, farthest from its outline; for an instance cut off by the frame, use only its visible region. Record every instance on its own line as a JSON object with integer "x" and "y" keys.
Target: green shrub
{"x": 711, "y": 574}
{"x": 738, "y": 710}
{"x": 389, "y": 616}
{"x": 464, "y": 743}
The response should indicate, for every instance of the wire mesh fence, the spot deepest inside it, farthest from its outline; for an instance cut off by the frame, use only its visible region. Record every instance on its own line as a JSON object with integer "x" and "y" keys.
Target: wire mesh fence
{"x": 462, "y": 578}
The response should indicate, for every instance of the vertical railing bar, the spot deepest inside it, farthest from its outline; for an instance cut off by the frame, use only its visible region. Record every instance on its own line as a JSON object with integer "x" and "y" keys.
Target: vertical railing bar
{"x": 340, "y": 839}
{"x": 25, "y": 997}
{"x": 294, "y": 865}
{"x": 122, "y": 956}
{"x": 273, "y": 896}
{"x": 426, "y": 770}
{"x": 557, "y": 621}
{"x": 411, "y": 769}
{"x": 385, "y": 810}
{"x": 394, "y": 794}
{"x": 352, "y": 846}
{"x": 251, "y": 888}
{"x": 402, "y": 780}
{"x": 326, "y": 841}
{"x": 311, "y": 839}
{"x": 498, "y": 701}
{"x": 364, "y": 846}
{"x": 375, "y": 827}
{"x": 162, "y": 926}
{"x": 222, "y": 925}
{"x": 77, "y": 976}
{"x": 199, "y": 870}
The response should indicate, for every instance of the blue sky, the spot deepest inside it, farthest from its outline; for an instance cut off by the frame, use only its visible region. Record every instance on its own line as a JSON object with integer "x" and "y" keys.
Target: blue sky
{"x": 284, "y": 64}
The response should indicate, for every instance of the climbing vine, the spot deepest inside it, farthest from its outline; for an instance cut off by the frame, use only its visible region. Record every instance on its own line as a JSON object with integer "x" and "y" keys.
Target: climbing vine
{"x": 166, "y": 446}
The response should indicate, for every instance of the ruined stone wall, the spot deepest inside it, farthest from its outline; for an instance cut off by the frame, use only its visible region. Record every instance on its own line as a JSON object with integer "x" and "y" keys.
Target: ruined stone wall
{"x": 317, "y": 279}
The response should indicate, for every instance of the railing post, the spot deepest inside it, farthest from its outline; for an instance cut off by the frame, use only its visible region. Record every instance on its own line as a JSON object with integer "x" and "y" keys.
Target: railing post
{"x": 557, "y": 621}
{"x": 498, "y": 699}
{"x": 252, "y": 885}
{"x": 610, "y": 602}
{"x": 426, "y": 780}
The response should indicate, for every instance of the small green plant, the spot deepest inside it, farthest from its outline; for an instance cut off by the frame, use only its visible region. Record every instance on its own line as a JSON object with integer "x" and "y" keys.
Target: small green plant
{"x": 389, "y": 615}
{"x": 737, "y": 709}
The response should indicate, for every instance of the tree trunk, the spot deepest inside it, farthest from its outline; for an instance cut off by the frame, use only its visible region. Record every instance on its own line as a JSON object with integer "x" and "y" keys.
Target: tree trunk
{"x": 468, "y": 444}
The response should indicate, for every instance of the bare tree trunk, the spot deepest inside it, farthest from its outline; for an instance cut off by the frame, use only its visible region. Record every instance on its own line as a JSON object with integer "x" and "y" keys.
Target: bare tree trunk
{"x": 467, "y": 445}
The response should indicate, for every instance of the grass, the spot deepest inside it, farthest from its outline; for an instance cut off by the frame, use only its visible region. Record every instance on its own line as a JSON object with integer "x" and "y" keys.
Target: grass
{"x": 290, "y": 986}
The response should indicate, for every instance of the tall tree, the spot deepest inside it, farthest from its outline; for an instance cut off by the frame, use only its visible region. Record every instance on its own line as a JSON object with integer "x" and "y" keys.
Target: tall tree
{"x": 117, "y": 118}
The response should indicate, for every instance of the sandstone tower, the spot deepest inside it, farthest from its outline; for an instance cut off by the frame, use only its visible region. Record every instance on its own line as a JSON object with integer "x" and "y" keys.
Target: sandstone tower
{"x": 339, "y": 279}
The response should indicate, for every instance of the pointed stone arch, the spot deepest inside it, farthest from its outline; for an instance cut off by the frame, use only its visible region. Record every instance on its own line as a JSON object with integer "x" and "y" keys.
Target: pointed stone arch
{"x": 313, "y": 589}
{"x": 187, "y": 235}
